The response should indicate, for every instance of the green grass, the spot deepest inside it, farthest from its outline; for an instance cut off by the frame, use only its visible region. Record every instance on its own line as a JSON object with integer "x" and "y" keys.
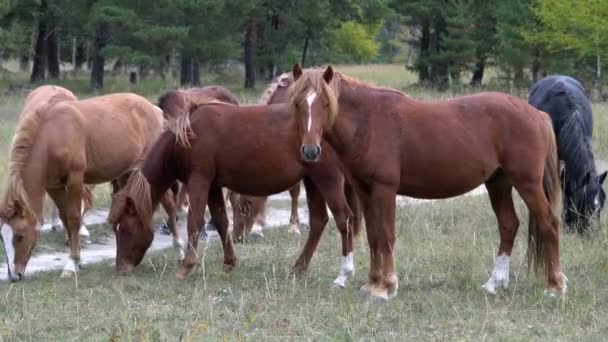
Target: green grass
{"x": 444, "y": 253}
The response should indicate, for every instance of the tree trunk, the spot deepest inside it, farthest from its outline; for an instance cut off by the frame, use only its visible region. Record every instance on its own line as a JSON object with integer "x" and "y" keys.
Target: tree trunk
{"x": 24, "y": 61}
{"x": 596, "y": 93}
{"x": 422, "y": 63}
{"x": 52, "y": 45}
{"x": 196, "y": 72}
{"x": 248, "y": 54}
{"x": 102, "y": 35}
{"x": 81, "y": 56}
{"x": 304, "y": 51}
{"x": 185, "y": 77}
{"x": 480, "y": 67}
{"x": 518, "y": 76}
{"x": 535, "y": 65}
{"x": 143, "y": 72}
{"x": 40, "y": 51}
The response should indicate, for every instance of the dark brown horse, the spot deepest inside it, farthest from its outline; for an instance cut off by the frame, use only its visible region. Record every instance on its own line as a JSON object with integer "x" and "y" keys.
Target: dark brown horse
{"x": 391, "y": 144}
{"x": 259, "y": 163}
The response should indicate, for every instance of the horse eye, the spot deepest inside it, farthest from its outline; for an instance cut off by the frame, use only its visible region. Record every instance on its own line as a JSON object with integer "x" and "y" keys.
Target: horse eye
{"x": 18, "y": 238}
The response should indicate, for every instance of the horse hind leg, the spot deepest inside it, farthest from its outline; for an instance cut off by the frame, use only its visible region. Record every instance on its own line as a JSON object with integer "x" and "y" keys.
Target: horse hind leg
{"x": 294, "y": 219}
{"x": 500, "y": 189}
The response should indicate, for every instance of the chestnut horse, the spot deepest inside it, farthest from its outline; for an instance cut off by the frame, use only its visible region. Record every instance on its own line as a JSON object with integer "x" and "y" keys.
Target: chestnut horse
{"x": 249, "y": 212}
{"x": 391, "y": 144}
{"x": 59, "y": 148}
{"x": 207, "y": 157}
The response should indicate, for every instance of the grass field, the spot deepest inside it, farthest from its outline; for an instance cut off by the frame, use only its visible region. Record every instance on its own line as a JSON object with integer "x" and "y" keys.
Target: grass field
{"x": 444, "y": 253}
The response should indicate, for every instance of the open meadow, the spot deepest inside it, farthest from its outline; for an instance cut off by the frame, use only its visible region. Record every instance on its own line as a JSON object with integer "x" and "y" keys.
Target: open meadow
{"x": 445, "y": 251}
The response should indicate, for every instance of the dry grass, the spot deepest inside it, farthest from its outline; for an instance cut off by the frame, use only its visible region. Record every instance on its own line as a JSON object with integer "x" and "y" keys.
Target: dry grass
{"x": 444, "y": 250}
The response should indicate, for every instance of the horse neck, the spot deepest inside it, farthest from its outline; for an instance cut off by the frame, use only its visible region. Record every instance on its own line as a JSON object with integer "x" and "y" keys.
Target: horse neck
{"x": 159, "y": 167}
{"x": 575, "y": 150}
{"x": 353, "y": 128}
{"x": 34, "y": 179}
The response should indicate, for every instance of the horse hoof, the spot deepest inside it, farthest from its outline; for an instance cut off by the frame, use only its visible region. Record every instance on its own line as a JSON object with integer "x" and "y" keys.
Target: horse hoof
{"x": 67, "y": 274}
{"x": 184, "y": 271}
{"x": 489, "y": 289}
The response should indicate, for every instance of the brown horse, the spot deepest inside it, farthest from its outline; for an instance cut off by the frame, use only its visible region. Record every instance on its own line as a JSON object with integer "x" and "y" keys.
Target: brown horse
{"x": 59, "y": 148}
{"x": 249, "y": 212}
{"x": 383, "y": 139}
{"x": 259, "y": 163}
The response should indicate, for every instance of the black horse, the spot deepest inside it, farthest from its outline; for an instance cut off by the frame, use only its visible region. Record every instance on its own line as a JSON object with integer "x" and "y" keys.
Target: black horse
{"x": 564, "y": 99}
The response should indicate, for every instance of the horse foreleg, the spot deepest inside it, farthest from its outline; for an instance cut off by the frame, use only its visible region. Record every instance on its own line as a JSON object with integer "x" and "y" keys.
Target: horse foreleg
{"x": 217, "y": 209}
{"x": 379, "y": 206}
{"x": 499, "y": 190}
{"x": 168, "y": 204}
{"x": 198, "y": 192}
{"x": 334, "y": 195}
{"x": 69, "y": 202}
{"x": 294, "y": 219}
{"x": 318, "y": 220}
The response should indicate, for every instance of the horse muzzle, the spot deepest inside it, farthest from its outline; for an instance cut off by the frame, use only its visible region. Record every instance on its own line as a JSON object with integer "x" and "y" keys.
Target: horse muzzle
{"x": 311, "y": 154}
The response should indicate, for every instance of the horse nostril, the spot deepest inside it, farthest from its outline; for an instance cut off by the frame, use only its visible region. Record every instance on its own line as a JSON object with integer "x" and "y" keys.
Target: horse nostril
{"x": 303, "y": 149}
{"x": 318, "y": 150}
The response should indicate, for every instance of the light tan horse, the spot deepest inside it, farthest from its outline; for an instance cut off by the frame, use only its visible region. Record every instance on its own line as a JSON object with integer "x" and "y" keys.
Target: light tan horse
{"x": 59, "y": 148}
{"x": 46, "y": 96}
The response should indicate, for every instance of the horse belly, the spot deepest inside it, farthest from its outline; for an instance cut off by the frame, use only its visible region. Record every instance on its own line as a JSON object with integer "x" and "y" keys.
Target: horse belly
{"x": 444, "y": 181}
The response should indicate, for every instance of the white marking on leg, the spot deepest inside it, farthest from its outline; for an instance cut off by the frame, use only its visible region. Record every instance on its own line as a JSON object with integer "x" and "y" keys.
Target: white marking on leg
{"x": 70, "y": 268}
{"x": 347, "y": 269}
{"x": 294, "y": 229}
{"x": 256, "y": 230}
{"x": 310, "y": 99}
{"x": 499, "y": 276}
{"x": 178, "y": 245}
{"x": 7, "y": 238}
{"x": 85, "y": 234}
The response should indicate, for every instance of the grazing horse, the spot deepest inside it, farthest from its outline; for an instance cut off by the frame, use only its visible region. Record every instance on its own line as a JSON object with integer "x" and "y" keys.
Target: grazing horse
{"x": 59, "y": 148}
{"x": 391, "y": 144}
{"x": 260, "y": 162}
{"x": 564, "y": 99}
{"x": 46, "y": 96}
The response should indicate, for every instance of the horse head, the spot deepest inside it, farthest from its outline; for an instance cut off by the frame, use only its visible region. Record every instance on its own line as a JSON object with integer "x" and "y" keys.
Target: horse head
{"x": 587, "y": 199}
{"x": 131, "y": 218}
{"x": 19, "y": 236}
{"x": 314, "y": 103}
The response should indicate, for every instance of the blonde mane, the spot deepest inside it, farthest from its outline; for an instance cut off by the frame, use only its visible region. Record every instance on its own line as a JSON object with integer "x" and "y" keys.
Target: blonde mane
{"x": 138, "y": 191}
{"x": 313, "y": 81}
{"x": 272, "y": 88}
{"x": 182, "y": 127}
{"x": 23, "y": 140}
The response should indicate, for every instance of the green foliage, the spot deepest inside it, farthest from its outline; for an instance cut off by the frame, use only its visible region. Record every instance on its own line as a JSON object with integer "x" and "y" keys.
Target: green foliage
{"x": 357, "y": 41}
{"x": 580, "y": 26}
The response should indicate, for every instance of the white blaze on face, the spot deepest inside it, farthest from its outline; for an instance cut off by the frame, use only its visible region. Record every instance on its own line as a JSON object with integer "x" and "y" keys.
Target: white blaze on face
{"x": 500, "y": 275}
{"x": 310, "y": 99}
{"x": 7, "y": 239}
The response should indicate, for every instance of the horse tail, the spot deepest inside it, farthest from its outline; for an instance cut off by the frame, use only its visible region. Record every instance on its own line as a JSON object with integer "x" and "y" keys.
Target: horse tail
{"x": 355, "y": 206}
{"x": 552, "y": 190}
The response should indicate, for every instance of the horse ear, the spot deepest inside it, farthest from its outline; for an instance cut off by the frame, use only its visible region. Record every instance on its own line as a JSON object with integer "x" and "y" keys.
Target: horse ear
{"x": 297, "y": 71}
{"x": 328, "y": 74}
{"x": 602, "y": 177}
{"x": 587, "y": 179}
